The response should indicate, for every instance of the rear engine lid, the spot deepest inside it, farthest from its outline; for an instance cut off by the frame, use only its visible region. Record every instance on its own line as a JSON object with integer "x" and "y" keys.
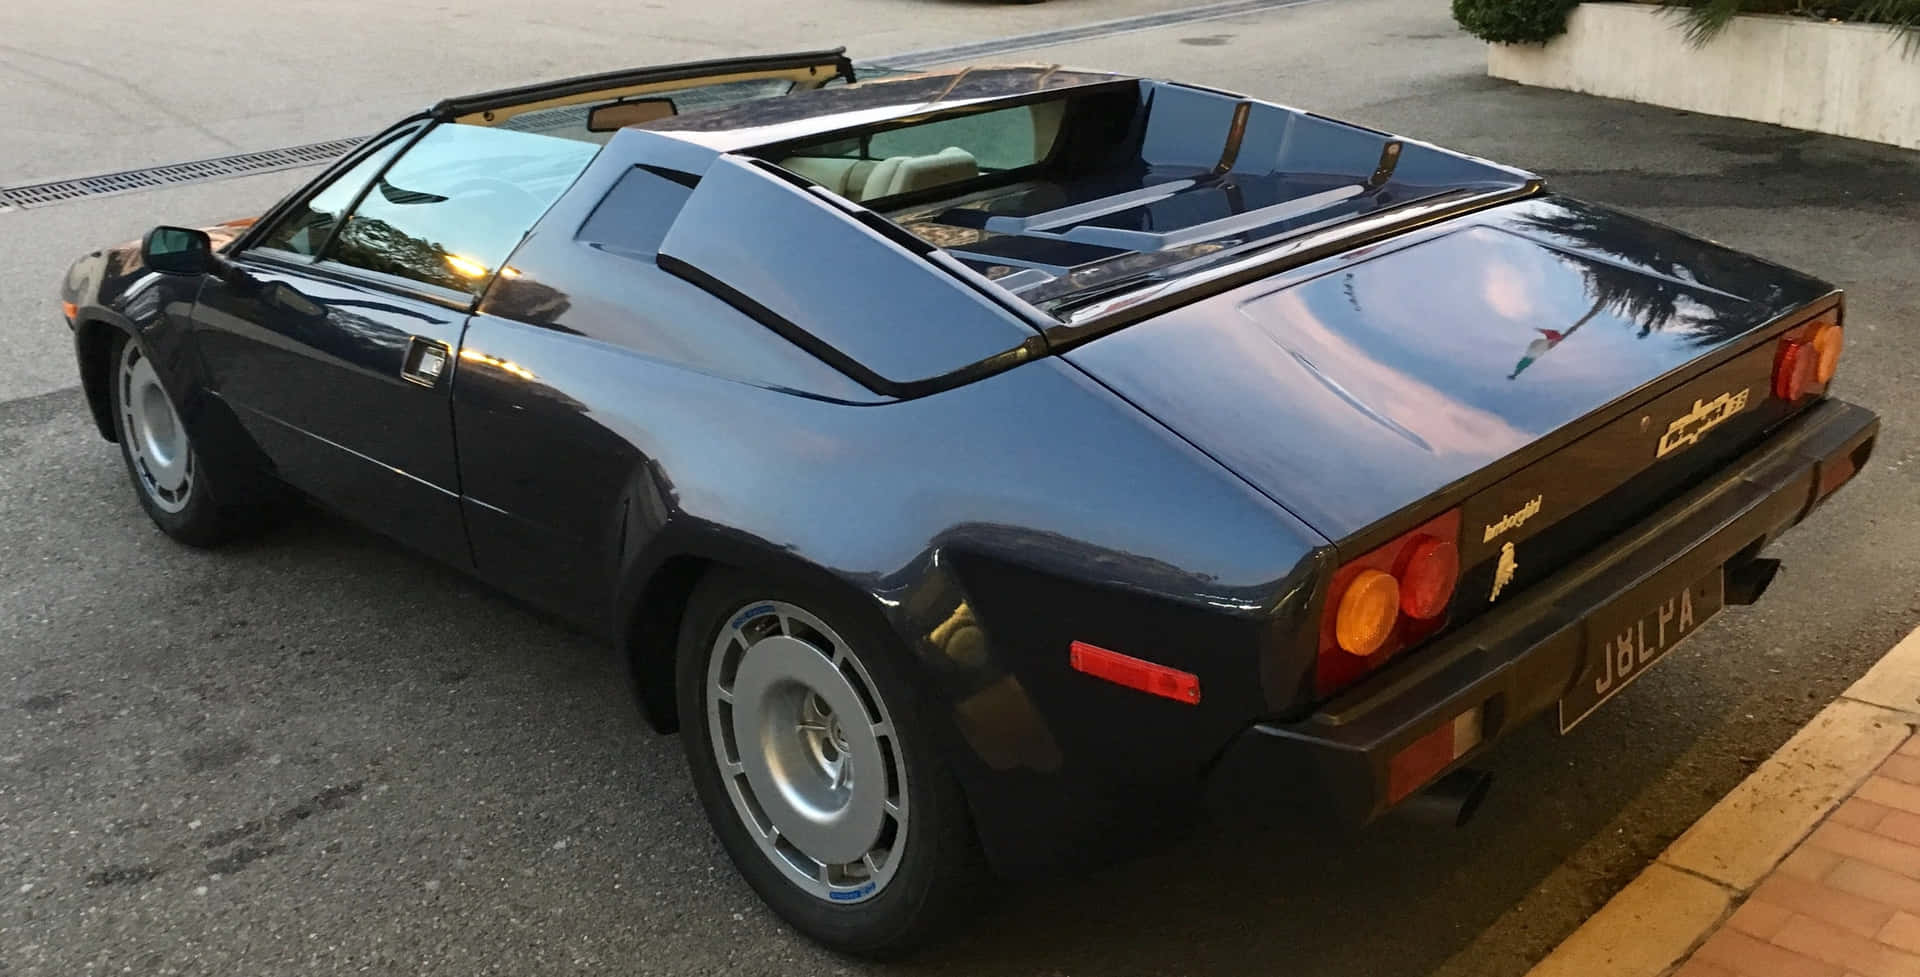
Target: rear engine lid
{"x": 1353, "y": 390}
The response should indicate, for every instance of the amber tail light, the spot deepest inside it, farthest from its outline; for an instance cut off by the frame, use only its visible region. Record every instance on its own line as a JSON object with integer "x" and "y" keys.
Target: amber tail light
{"x": 1386, "y": 601}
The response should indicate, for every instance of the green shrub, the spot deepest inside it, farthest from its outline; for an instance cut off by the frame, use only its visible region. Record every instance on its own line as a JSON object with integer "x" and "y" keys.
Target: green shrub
{"x": 1513, "y": 21}
{"x": 1539, "y": 21}
{"x": 1706, "y": 18}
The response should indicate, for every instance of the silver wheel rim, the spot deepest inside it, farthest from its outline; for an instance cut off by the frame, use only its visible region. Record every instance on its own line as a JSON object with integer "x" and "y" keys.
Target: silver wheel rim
{"x": 151, "y": 429}
{"x": 807, "y": 752}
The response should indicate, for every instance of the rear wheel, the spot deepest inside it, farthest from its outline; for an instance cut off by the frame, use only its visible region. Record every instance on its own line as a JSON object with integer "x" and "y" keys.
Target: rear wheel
{"x": 810, "y": 757}
{"x": 171, "y": 477}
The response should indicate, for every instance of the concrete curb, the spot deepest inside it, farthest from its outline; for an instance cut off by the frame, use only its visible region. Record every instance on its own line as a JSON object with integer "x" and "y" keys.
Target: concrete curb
{"x": 1670, "y": 909}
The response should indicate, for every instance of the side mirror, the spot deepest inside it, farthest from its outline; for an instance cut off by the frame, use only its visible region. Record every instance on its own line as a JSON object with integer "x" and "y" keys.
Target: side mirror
{"x": 177, "y": 251}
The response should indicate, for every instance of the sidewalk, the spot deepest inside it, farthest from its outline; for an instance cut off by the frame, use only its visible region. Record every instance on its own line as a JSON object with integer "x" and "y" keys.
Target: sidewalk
{"x": 1847, "y": 901}
{"x": 1809, "y": 868}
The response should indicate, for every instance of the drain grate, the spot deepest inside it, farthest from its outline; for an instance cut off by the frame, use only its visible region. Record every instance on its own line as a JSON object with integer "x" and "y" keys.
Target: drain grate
{"x": 196, "y": 171}
{"x": 312, "y": 154}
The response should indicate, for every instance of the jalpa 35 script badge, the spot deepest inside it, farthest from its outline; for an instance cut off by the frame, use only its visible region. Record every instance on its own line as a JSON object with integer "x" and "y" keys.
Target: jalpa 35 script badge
{"x": 1689, "y": 428}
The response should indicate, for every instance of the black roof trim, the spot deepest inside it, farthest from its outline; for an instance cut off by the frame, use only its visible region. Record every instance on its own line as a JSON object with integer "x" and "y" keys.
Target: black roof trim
{"x": 1031, "y": 348}
{"x": 1154, "y": 298}
{"x": 466, "y": 104}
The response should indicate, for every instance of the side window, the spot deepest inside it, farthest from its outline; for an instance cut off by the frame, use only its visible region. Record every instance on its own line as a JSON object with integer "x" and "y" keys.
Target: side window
{"x": 636, "y": 213}
{"x": 454, "y": 206}
{"x": 306, "y": 228}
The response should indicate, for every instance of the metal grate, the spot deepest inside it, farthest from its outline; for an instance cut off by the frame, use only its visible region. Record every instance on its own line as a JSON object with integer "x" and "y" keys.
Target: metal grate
{"x": 195, "y": 171}
{"x": 312, "y": 154}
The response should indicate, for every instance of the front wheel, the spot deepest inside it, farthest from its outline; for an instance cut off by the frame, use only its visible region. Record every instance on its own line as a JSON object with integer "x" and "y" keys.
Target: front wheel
{"x": 172, "y": 478}
{"x": 813, "y": 764}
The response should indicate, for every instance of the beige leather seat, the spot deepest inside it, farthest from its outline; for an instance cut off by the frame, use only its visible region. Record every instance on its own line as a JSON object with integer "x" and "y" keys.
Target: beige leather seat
{"x": 905, "y": 174}
{"x": 846, "y": 177}
{"x": 866, "y": 179}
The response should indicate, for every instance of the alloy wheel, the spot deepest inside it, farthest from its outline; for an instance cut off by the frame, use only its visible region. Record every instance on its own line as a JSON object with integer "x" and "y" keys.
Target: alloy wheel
{"x": 156, "y": 441}
{"x": 807, "y": 751}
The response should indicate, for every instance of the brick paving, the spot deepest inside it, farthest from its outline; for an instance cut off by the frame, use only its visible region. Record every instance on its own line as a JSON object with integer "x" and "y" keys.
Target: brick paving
{"x": 1846, "y": 903}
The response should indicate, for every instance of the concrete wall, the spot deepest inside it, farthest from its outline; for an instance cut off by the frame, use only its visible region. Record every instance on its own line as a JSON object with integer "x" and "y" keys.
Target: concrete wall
{"x": 1847, "y": 79}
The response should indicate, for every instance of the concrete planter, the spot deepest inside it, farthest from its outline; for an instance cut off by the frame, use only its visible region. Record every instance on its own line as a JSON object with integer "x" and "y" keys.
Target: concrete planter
{"x": 1847, "y": 79}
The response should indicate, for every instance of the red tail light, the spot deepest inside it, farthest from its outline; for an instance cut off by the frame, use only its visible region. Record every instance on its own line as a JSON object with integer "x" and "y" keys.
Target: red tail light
{"x": 1430, "y": 566}
{"x": 1807, "y": 358}
{"x": 1793, "y": 369}
{"x": 1387, "y": 600}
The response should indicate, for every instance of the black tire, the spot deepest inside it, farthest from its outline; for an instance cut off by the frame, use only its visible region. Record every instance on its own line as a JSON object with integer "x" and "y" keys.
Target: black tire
{"x": 205, "y": 511}
{"x": 941, "y": 868}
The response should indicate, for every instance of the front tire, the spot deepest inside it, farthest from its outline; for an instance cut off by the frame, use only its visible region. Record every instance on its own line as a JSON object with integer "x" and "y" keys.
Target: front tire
{"x": 171, "y": 476}
{"x": 815, "y": 767}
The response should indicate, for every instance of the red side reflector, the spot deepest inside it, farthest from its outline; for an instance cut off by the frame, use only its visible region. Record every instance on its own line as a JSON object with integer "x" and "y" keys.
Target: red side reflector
{"x": 70, "y": 310}
{"x": 1838, "y": 471}
{"x": 1419, "y": 761}
{"x": 1144, "y": 676}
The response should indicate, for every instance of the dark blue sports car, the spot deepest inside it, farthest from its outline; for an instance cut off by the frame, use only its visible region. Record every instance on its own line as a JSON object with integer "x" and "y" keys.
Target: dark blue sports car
{"x": 984, "y": 466}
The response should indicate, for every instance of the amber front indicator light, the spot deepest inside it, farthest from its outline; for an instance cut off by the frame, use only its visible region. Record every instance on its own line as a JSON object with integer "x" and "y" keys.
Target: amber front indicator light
{"x": 1386, "y": 601}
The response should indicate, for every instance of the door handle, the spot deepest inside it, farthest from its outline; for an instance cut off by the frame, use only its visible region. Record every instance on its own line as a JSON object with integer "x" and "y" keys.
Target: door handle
{"x": 426, "y": 361}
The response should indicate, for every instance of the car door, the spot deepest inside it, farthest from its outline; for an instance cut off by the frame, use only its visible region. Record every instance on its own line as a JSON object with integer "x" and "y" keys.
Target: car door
{"x": 335, "y": 335}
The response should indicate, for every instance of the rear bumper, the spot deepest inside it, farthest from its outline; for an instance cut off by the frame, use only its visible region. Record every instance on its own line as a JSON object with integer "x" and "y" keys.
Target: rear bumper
{"x": 1517, "y": 662}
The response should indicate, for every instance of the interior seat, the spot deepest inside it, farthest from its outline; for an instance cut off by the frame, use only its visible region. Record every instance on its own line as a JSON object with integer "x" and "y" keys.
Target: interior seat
{"x": 867, "y": 179}
{"x": 905, "y": 174}
{"x": 846, "y": 177}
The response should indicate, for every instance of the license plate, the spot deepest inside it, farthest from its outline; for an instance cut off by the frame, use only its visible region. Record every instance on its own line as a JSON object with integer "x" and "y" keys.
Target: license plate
{"x": 1624, "y": 640}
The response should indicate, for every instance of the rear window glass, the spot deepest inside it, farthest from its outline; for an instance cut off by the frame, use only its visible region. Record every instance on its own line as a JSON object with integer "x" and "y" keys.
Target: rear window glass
{"x": 929, "y": 155}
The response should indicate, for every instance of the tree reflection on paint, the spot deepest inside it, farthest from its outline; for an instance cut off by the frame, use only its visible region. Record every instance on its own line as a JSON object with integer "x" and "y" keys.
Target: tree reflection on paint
{"x": 1645, "y": 274}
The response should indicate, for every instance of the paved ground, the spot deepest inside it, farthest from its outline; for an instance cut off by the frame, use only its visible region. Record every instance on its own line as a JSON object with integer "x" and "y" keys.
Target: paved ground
{"x": 1847, "y": 900}
{"x": 317, "y": 752}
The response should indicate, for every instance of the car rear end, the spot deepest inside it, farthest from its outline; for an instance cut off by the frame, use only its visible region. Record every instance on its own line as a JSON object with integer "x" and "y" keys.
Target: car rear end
{"x": 1548, "y": 441}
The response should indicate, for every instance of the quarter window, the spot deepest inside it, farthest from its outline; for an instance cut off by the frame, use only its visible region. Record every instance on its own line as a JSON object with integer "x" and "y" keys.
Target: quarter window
{"x": 637, "y": 212}
{"x": 451, "y": 209}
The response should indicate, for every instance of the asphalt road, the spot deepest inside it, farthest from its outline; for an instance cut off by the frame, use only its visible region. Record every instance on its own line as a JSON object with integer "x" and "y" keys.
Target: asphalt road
{"x": 317, "y": 753}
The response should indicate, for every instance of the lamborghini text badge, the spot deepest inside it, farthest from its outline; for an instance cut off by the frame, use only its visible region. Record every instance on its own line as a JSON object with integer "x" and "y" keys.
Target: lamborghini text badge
{"x": 1706, "y": 415}
{"x": 1512, "y": 520}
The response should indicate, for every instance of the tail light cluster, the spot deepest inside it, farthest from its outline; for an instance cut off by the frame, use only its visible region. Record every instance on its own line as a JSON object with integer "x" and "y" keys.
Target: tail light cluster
{"x": 1387, "y": 600}
{"x": 1807, "y": 358}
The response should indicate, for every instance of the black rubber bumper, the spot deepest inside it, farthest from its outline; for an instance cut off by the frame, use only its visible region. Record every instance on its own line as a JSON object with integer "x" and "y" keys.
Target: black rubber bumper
{"x": 1517, "y": 662}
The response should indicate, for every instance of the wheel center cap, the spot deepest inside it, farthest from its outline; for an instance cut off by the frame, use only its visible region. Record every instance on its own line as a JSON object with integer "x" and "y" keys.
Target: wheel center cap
{"x": 804, "y": 762}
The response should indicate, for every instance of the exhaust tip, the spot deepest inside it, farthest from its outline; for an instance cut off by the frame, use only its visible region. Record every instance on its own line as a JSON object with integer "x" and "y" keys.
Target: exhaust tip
{"x": 1452, "y": 800}
{"x": 1745, "y": 582}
